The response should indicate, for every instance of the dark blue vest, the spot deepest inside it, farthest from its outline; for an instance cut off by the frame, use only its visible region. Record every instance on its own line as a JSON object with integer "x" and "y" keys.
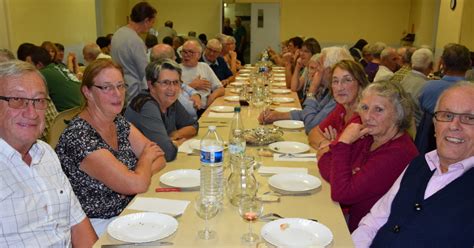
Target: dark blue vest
{"x": 445, "y": 219}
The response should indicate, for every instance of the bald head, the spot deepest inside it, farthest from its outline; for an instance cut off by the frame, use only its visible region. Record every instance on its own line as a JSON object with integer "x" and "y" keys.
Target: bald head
{"x": 90, "y": 52}
{"x": 162, "y": 51}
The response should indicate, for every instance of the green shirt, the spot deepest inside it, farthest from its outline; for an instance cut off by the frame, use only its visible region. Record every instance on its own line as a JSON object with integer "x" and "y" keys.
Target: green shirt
{"x": 63, "y": 87}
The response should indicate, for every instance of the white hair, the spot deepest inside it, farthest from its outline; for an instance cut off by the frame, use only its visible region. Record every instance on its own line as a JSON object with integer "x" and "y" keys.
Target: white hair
{"x": 422, "y": 59}
{"x": 332, "y": 55}
{"x": 377, "y": 48}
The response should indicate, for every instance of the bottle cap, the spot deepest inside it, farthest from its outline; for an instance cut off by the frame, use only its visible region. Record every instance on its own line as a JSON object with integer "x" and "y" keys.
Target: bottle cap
{"x": 212, "y": 128}
{"x": 237, "y": 109}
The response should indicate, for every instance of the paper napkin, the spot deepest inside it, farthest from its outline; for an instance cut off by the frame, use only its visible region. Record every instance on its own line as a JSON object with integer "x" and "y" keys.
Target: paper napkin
{"x": 165, "y": 206}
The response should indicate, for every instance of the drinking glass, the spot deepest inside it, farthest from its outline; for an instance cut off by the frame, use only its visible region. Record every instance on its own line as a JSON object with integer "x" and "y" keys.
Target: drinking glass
{"x": 250, "y": 209}
{"x": 206, "y": 210}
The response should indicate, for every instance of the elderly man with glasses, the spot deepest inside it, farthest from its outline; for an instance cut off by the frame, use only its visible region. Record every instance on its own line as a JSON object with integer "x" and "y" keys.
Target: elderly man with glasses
{"x": 212, "y": 57}
{"x": 157, "y": 113}
{"x": 38, "y": 205}
{"x": 199, "y": 75}
{"x": 431, "y": 203}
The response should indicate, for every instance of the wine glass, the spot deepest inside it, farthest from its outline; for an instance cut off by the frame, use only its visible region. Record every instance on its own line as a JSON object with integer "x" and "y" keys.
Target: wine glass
{"x": 206, "y": 210}
{"x": 250, "y": 209}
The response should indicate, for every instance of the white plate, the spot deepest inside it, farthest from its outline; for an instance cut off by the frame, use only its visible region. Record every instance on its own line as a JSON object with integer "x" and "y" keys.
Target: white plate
{"x": 232, "y": 98}
{"x": 279, "y": 75}
{"x": 289, "y": 124}
{"x": 279, "y": 84}
{"x": 280, "y": 91}
{"x": 288, "y": 147}
{"x": 298, "y": 233}
{"x": 278, "y": 68}
{"x": 294, "y": 182}
{"x": 142, "y": 227}
{"x": 239, "y": 83}
{"x": 244, "y": 75}
{"x": 279, "y": 78}
{"x": 285, "y": 109}
{"x": 184, "y": 178}
{"x": 222, "y": 109}
{"x": 240, "y": 78}
{"x": 235, "y": 90}
{"x": 283, "y": 99}
{"x": 245, "y": 70}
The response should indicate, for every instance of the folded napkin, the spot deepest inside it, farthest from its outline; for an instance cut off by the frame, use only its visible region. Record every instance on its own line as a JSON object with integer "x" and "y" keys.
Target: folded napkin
{"x": 165, "y": 206}
{"x": 220, "y": 115}
{"x": 278, "y": 170}
{"x": 188, "y": 146}
{"x": 295, "y": 157}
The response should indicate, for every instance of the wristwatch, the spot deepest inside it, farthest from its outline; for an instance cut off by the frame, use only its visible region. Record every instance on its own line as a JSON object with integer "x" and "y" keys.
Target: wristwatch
{"x": 309, "y": 95}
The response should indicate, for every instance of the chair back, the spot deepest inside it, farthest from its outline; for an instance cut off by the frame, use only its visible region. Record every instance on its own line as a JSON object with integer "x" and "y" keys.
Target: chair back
{"x": 425, "y": 140}
{"x": 59, "y": 124}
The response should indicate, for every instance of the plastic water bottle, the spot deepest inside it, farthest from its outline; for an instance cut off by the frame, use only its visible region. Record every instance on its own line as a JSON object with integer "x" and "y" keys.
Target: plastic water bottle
{"x": 212, "y": 159}
{"x": 237, "y": 145}
{"x": 236, "y": 123}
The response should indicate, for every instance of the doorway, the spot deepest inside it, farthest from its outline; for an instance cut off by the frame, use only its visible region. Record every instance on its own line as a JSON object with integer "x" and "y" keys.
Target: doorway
{"x": 262, "y": 23}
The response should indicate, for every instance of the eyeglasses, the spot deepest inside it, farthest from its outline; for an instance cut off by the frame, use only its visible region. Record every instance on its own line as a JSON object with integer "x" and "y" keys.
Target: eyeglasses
{"x": 446, "y": 116}
{"x": 169, "y": 83}
{"x": 188, "y": 52}
{"x": 21, "y": 102}
{"x": 344, "y": 80}
{"x": 213, "y": 50}
{"x": 108, "y": 89}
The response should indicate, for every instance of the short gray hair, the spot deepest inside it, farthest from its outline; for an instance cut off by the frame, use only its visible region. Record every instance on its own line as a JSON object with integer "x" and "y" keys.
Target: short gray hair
{"x": 377, "y": 48}
{"x": 16, "y": 68}
{"x": 153, "y": 70}
{"x": 332, "y": 55}
{"x": 459, "y": 84}
{"x": 386, "y": 52}
{"x": 402, "y": 101}
{"x": 422, "y": 59}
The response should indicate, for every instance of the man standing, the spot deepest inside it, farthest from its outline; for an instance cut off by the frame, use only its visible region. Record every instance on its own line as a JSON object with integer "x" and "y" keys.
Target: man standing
{"x": 240, "y": 35}
{"x": 129, "y": 50}
{"x": 212, "y": 57}
{"x": 430, "y": 204}
{"x": 38, "y": 206}
{"x": 166, "y": 31}
{"x": 199, "y": 75}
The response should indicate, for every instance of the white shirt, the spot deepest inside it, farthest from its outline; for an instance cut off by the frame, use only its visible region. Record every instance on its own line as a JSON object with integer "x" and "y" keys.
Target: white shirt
{"x": 203, "y": 70}
{"x": 37, "y": 204}
{"x": 383, "y": 74}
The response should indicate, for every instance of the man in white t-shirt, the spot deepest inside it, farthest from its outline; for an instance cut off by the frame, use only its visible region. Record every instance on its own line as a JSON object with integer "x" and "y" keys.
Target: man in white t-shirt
{"x": 199, "y": 75}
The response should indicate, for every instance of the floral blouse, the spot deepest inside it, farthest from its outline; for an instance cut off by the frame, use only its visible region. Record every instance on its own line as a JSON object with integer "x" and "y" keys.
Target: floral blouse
{"x": 79, "y": 140}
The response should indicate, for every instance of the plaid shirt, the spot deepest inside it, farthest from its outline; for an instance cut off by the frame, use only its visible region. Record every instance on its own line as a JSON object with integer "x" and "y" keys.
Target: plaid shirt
{"x": 38, "y": 206}
{"x": 50, "y": 115}
{"x": 399, "y": 75}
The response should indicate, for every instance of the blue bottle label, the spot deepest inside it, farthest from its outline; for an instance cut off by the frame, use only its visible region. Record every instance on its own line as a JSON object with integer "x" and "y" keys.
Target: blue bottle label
{"x": 211, "y": 157}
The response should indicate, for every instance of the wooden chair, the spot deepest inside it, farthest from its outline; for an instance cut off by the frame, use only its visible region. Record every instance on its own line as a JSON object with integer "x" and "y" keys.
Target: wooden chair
{"x": 59, "y": 124}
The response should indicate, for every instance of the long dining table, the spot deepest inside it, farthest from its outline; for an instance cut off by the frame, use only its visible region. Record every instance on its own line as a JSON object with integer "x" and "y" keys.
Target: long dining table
{"x": 228, "y": 224}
